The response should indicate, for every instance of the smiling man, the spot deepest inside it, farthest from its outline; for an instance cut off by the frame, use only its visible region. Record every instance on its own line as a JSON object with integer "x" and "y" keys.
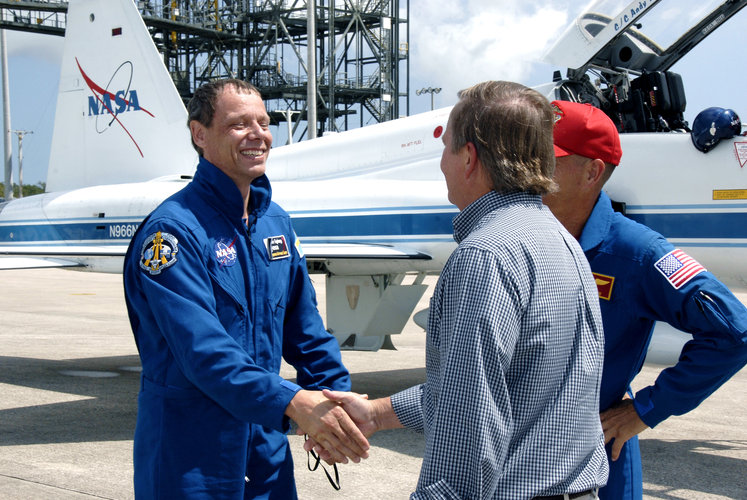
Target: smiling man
{"x": 218, "y": 294}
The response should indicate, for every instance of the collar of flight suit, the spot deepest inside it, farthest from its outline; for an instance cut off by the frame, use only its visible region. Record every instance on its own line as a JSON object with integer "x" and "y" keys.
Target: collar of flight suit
{"x": 598, "y": 224}
{"x": 220, "y": 191}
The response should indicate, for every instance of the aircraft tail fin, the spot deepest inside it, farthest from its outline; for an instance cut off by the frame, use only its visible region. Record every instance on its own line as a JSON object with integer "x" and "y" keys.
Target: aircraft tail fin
{"x": 119, "y": 117}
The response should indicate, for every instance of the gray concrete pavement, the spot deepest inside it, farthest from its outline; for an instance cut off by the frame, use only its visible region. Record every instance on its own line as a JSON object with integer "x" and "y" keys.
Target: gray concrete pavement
{"x": 69, "y": 380}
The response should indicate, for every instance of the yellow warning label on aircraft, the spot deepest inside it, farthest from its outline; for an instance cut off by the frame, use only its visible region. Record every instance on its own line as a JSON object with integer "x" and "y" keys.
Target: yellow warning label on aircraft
{"x": 730, "y": 194}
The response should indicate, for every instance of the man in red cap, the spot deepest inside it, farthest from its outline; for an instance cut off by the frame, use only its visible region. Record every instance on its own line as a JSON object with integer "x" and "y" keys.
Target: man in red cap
{"x": 640, "y": 280}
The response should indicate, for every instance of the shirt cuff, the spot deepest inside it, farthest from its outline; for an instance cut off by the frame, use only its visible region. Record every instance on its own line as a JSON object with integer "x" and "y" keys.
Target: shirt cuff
{"x": 408, "y": 406}
{"x": 439, "y": 490}
{"x": 646, "y": 409}
{"x": 287, "y": 392}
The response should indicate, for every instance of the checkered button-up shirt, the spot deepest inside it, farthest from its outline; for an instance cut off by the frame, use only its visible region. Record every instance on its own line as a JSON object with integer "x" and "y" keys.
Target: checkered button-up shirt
{"x": 513, "y": 361}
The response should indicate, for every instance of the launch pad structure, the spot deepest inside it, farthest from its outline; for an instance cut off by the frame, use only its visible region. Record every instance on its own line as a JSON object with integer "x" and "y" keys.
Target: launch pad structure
{"x": 358, "y": 49}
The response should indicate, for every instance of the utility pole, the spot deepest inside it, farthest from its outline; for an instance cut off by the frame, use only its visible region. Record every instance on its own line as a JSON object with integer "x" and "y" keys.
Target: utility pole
{"x": 6, "y": 120}
{"x": 289, "y": 118}
{"x": 20, "y": 134}
{"x": 311, "y": 70}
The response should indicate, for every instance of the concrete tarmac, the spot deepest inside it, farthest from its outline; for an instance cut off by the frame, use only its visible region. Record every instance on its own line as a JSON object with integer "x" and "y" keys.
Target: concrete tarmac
{"x": 69, "y": 377}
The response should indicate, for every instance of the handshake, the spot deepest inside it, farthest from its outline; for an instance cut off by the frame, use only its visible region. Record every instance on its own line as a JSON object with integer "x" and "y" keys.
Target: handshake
{"x": 338, "y": 423}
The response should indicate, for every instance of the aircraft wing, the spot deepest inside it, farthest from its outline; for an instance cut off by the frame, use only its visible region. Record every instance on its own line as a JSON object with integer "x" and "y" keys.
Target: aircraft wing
{"x": 109, "y": 258}
{"x": 34, "y": 263}
{"x": 316, "y": 251}
{"x": 95, "y": 258}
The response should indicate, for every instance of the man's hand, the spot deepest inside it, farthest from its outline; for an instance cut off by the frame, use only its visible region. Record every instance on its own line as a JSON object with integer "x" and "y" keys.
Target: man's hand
{"x": 621, "y": 422}
{"x": 369, "y": 416}
{"x": 327, "y": 423}
{"x": 359, "y": 408}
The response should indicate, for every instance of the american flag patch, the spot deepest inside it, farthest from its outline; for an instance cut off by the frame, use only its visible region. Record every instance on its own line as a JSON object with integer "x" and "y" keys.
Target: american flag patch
{"x": 678, "y": 267}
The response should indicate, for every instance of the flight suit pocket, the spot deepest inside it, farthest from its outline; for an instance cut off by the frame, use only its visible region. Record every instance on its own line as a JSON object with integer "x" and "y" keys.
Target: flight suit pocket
{"x": 232, "y": 314}
{"x": 276, "y": 310}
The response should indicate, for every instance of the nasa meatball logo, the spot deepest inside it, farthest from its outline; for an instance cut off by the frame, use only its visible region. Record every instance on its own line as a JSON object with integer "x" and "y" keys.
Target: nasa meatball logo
{"x": 225, "y": 252}
{"x": 108, "y": 105}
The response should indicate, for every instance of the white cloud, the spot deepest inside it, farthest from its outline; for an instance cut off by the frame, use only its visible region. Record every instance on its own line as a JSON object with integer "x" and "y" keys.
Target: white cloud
{"x": 44, "y": 47}
{"x": 457, "y": 44}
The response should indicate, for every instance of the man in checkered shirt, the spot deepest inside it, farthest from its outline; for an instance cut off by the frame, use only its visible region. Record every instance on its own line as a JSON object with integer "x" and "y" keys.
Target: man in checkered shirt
{"x": 515, "y": 343}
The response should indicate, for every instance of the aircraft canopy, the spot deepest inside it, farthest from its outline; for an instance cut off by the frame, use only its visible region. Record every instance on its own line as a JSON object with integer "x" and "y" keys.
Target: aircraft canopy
{"x": 643, "y": 34}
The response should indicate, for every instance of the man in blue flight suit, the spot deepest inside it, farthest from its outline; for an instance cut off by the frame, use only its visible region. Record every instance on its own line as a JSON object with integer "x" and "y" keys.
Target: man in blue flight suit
{"x": 218, "y": 293}
{"x": 641, "y": 279}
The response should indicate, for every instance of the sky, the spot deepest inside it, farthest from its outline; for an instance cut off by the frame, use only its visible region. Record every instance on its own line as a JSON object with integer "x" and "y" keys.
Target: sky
{"x": 452, "y": 45}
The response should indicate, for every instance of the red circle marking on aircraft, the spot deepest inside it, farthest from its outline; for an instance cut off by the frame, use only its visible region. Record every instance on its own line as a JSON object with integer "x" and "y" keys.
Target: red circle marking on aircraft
{"x": 437, "y": 133}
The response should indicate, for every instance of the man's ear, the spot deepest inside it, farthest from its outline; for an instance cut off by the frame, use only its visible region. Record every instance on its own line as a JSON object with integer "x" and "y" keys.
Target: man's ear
{"x": 470, "y": 160}
{"x": 594, "y": 171}
{"x": 197, "y": 130}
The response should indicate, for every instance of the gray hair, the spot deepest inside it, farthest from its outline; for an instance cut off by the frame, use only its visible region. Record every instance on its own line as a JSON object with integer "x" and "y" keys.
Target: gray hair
{"x": 511, "y": 128}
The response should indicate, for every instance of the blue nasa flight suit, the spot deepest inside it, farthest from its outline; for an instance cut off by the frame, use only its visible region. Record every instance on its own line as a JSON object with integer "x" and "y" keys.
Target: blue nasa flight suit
{"x": 633, "y": 295}
{"x": 214, "y": 307}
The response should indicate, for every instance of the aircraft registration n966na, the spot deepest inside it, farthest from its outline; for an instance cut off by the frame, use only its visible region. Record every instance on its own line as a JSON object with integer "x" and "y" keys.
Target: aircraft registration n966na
{"x": 370, "y": 205}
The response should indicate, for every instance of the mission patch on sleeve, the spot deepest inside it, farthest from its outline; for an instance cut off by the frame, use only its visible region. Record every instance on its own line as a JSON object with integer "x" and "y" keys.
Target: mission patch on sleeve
{"x": 158, "y": 252}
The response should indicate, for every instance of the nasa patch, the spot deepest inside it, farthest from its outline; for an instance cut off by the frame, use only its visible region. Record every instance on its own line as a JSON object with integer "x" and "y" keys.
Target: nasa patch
{"x": 158, "y": 252}
{"x": 277, "y": 247}
{"x": 225, "y": 252}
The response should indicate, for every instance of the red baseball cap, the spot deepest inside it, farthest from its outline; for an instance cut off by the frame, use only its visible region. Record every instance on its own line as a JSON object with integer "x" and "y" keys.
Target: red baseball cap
{"x": 584, "y": 130}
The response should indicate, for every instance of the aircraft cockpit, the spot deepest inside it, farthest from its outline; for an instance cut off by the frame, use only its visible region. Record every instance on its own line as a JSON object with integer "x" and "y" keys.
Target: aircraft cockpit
{"x": 619, "y": 54}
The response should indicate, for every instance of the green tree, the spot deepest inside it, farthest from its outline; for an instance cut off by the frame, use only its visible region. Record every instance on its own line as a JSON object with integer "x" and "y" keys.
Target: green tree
{"x": 28, "y": 189}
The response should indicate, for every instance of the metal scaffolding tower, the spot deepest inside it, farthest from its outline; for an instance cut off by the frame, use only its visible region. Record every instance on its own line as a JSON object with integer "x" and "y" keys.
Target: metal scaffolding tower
{"x": 360, "y": 52}
{"x": 34, "y": 16}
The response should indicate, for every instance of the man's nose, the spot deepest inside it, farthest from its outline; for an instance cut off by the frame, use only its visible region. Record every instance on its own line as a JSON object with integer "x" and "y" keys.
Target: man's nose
{"x": 254, "y": 129}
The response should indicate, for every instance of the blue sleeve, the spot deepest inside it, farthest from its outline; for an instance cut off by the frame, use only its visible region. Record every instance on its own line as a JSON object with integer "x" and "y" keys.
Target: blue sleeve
{"x": 175, "y": 317}
{"x": 717, "y": 320}
{"x": 307, "y": 345}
